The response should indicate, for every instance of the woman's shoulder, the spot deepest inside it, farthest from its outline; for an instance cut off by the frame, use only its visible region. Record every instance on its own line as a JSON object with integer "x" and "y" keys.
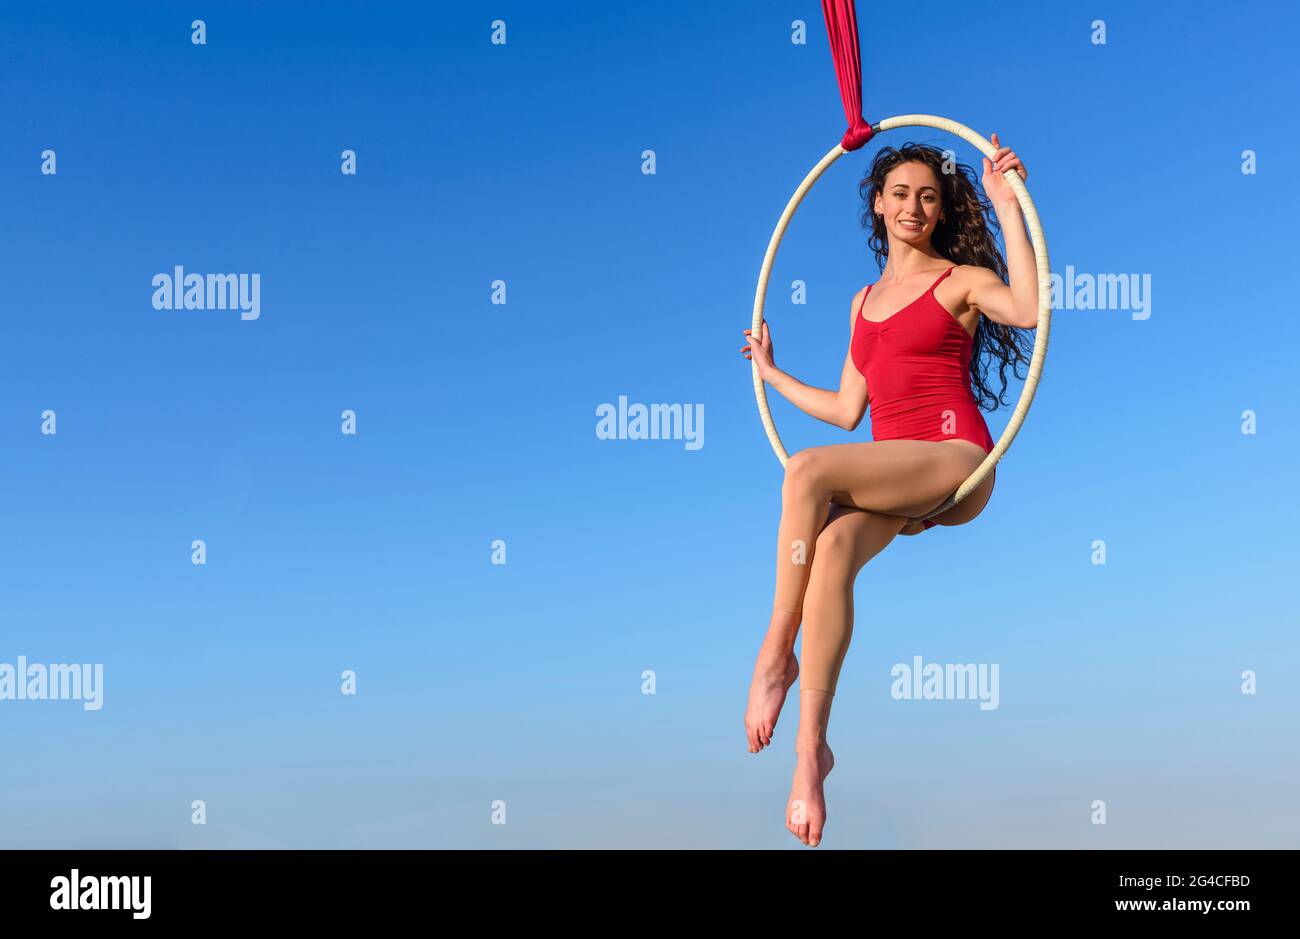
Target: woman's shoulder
{"x": 973, "y": 274}
{"x": 856, "y": 303}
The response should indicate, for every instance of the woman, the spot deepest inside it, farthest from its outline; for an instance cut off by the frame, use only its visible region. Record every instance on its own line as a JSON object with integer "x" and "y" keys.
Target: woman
{"x": 917, "y": 341}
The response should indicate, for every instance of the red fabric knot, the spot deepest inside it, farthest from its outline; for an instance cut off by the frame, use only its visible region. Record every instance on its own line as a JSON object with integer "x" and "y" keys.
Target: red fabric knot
{"x": 856, "y": 136}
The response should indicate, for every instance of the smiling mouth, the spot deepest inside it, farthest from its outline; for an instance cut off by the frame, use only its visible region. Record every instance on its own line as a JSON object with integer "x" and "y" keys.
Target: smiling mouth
{"x": 912, "y": 226}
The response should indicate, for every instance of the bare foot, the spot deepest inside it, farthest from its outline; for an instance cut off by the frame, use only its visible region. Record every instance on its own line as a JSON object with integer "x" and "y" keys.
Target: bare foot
{"x": 805, "y": 814}
{"x": 774, "y": 673}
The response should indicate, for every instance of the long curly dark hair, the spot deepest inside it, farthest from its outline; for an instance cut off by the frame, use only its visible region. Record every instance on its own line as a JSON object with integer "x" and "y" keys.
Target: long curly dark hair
{"x": 965, "y": 236}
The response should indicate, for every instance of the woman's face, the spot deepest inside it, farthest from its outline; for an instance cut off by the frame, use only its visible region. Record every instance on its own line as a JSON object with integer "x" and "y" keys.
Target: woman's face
{"x": 909, "y": 202}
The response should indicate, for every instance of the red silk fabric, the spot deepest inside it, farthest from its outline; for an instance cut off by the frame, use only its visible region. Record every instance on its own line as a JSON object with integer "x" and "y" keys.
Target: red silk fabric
{"x": 842, "y": 27}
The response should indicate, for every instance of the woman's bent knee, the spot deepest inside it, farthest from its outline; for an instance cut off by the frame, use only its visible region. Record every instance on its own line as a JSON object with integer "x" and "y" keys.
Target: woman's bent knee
{"x": 801, "y": 472}
{"x": 856, "y": 536}
{"x": 838, "y": 540}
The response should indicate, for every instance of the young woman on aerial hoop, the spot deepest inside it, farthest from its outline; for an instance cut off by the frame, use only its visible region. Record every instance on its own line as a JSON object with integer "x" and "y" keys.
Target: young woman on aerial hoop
{"x": 918, "y": 341}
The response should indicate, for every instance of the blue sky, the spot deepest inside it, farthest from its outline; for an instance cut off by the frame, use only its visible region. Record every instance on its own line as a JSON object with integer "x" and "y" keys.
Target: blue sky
{"x": 521, "y": 682}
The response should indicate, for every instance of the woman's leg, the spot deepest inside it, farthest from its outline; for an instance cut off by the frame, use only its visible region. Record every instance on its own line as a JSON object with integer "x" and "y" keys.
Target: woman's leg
{"x": 776, "y": 667}
{"x": 890, "y": 477}
{"x": 904, "y": 477}
{"x": 844, "y": 546}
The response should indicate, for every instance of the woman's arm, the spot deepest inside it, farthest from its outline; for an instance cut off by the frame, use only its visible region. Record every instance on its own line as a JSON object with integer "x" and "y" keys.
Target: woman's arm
{"x": 843, "y": 408}
{"x": 1016, "y": 305}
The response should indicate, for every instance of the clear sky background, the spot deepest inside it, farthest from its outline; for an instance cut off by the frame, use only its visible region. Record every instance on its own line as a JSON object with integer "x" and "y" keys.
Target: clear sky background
{"x": 522, "y": 682}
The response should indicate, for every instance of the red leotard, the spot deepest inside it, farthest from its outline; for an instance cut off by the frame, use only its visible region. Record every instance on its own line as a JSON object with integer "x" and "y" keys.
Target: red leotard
{"x": 916, "y": 365}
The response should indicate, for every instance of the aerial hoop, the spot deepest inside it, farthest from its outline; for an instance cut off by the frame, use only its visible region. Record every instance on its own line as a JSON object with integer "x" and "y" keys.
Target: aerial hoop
{"x": 857, "y": 135}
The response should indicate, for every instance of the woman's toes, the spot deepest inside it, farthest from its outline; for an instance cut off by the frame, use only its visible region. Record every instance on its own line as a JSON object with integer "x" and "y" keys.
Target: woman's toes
{"x": 798, "y": 820}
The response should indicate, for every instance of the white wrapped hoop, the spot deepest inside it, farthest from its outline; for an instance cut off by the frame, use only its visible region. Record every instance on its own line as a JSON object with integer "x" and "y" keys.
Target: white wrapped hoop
{"x": 1044, "y": 293}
